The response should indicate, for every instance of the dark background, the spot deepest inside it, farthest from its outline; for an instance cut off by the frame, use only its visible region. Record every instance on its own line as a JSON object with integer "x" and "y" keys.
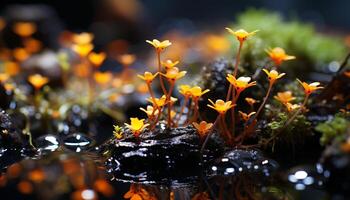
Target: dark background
{"x": 78, "y": 14}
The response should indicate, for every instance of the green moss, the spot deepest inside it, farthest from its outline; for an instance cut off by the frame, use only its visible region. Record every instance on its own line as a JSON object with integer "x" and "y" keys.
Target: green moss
{"x": 333, "y": 129}
{"x": 312, "y": 49}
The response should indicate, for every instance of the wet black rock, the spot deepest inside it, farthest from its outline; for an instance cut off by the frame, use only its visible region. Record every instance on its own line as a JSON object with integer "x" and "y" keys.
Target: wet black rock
{"x": 241, "y": 161}
{"x": 164, "y": 156}
{"x": 78, "y": 142}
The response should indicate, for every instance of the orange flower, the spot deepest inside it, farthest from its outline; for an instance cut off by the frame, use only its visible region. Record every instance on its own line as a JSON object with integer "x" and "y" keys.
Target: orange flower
{"x": 291, "y": 107}
{"x": 103, "y": 78}
{"x": 196, "y": 92}
{"x": 273, "y": 75}
{"x": 38, "y": 80}
{"x": 284, "y": 97}
{"x": 250, "y": 101}
{"x": 97, "y": 58}
{"x": 159, "y": 46}
{"x": 148, "y": 76}
{"x": 221, "y": 106}
{"x": 278, "y": 55}
{"x": 185, "y": 90}
{"x": 83, "y": 38}
{"x": 11, "y": 68}
{"x": 174, "y": 74}
{"x": 246, "y": 116}
{"x": 203, "y": 127}
{"x": 136, "y": 126}
{"x": 241, "y": 83}
{"x": 151, "y": 112}
{"x": 158, "y": 102}
{"x": 4, "y": 77}
{"x": 168, "y": 64}
{"x": 24, "y": 29}
{"x": 309, "y": 88}
{"x": 20, "y": 54}
{"x": 126, "y": 59}
{"x": 82, "y": 49}
{"x": 241, "y": 34}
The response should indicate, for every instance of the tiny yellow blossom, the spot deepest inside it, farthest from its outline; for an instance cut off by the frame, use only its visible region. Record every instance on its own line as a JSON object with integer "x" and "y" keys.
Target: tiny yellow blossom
{"x": 97, "y": 58}
{"x": 159, "y": 46}
{"x": 148, "y": 76}
{"x": 158, "y": 102}
{"x": 273, "y": 75}
{"x": 203, "y": 127}
{"x": 118, "y": 132}
{"x": 291, "y": 107}
{"x": 241, "y": 34}
{"x": 196, "y": 92}
{"x": 284, "y": 97}
{"x": 309, "y": 88}
{"x": 126, "y": 59}
{"x": 83, "y": 38}
{"x": 174, "y": 74}
{"x": 246, "y": 116}
{"x": 83, "y": 49}
{"x": 278, "y": 55}
{"x": 221, "y": 106}
{"x": 38, "y": 80}
{"x": 136, "y": 126}
{"x": 185, "y": 90}
{"x": 168, "y": 64}
{"x": 4, "y": 77}
{"x": 250, "y": 101}
{"x": 150, "y": 111}
{"x": 103, "y": 78}
{"x": 241, "y": 83}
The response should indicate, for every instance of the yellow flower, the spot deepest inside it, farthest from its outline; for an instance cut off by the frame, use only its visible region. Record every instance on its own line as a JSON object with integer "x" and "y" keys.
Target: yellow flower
{"x": 241, "y": 83}
{"x": 309, "y": 88}
{"x": 291, "y": 107}
{"x": 158, "y": 102}
{"x": 278, "y": 55}
{"x": 136, "y": 126}
{"x": 168, "y": 64}
{"x": 273, "y": 75}
{"x": 148, "y": 76}
{"x": 83, "y": 38}
{"x": 126, "y": 59}
{"x": 24, "y": 29}
{"x": 284, "y": 97}
{"x": 97, "y": 58}
{"x": 37, "y": 80}
{"x": 4, "y": 77}
{"x": 196, "y": 92}
{"x": 203, "y": 127}
{"x": 246, "y": 116}
{"x": 103, "y": 78}
{"x": 118, "y": 132}
{"x": 250, "y": 101}
{"x": 241, "y": 34}
{"x": 151, "y": 111}
{"x": 220, "y": 106}
{"x": 185, "y": 90}
{"x": 159, "y": 46}
{"x": 174, "y": 74}
{"x": 83, "y": 49}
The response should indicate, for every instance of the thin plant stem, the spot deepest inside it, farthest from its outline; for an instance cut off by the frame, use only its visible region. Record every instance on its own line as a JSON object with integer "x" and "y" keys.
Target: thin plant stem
{"x": 238, "y": 55}
{"x": 181, "y": 111}
{"x": 160, "y": 77}
{"x": 172, "y": 84}
{"x": 211, "y": 132}
{"x": 264, "y": 102}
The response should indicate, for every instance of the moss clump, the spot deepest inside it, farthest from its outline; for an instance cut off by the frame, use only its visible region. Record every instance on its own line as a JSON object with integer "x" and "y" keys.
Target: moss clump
{"x": 334, "y": 129}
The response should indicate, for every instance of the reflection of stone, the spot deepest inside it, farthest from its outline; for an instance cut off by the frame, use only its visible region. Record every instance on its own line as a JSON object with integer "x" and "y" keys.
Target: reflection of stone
{"x": 242, "y": 161}
{"x": 162, "y": 156}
